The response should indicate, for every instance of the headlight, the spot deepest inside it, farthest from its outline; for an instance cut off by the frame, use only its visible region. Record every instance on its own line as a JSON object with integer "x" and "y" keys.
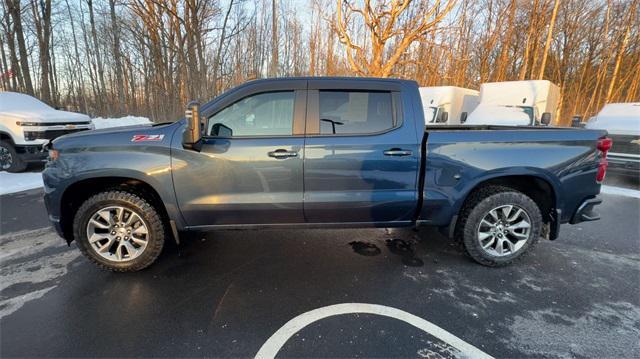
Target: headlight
{"x": 53, "y": 154}
{"x": 21, "y": 123}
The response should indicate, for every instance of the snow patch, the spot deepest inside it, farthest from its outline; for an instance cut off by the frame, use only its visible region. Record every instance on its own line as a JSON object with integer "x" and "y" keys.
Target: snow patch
{"x": 33, "y": 263}
{"x": 619, "y": 191}
{"x": 100, "y": 122}
{"x": 17, "y": 182}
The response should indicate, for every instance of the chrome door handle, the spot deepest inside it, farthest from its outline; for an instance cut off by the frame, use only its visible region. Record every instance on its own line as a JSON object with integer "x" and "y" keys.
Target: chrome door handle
{"x": 397, "y": 152}
{"x": 281, "y": 154}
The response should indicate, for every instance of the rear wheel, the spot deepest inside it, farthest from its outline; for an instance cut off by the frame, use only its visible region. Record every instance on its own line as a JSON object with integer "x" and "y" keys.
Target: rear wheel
{"x": 9, "y": 159}
{"x": 499, "y": 225}
{"x": 119, "y": 231}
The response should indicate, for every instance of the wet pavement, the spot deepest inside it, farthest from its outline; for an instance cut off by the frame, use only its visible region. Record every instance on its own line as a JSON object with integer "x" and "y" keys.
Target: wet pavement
{"x": 230, "y": 292}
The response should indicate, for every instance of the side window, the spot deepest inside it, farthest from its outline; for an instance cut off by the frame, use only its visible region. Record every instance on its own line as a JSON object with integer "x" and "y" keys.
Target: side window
{"x": 355, "y": 112}
{"x": 264, "y": 114}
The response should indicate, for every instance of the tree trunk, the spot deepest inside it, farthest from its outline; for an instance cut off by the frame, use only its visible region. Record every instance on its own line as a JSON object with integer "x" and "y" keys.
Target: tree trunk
{"x": 547, "y": 44}
{"x": 274, "y": 38}
{"x": 14, "y": 10}
{"x": 77, "y": 63}
{"x": 621, "y": 50}
{"x": 115, "y": 27}
{"x": 96, "y": 49}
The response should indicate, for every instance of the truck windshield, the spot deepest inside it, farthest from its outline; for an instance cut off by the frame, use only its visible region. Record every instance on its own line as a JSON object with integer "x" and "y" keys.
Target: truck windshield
{"x": 529, "y": 111}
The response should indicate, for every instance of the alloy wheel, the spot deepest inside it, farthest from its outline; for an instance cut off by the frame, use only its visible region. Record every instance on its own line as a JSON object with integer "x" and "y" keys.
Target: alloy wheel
{"x": 117, "y": 233}
{"x": 504, "y": 230}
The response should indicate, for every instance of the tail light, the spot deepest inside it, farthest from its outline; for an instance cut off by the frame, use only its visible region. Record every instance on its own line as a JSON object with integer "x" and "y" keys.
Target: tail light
{"x": 604, "y": 145}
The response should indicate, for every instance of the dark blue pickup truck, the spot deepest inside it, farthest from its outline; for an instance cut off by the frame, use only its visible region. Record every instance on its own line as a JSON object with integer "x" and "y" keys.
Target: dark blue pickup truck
{"x": 319, "y": 152}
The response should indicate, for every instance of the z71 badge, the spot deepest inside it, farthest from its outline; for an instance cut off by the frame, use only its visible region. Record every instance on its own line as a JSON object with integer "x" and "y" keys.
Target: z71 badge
{"x": 142, "y": 138}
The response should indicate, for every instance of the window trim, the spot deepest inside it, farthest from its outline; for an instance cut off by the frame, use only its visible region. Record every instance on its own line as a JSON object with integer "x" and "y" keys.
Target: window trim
{"x": 313, "y": 113}
{"x": 297, "y": 121}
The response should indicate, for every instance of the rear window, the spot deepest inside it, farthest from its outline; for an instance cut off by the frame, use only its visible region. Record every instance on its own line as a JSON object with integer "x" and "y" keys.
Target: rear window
{"x": 355, "y": 112}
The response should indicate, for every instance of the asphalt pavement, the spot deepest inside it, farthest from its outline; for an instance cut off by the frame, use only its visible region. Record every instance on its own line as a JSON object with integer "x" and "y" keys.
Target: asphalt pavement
{"x": 323, "y": 293}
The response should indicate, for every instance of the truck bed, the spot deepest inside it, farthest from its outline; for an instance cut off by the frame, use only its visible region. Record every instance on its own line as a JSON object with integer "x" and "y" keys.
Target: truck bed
{"x": 492, "y": 128}
{"x": 459, "y": 158}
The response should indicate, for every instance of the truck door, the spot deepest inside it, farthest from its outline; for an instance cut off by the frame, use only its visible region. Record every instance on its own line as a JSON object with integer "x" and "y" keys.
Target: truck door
{"x": 360, "y": 162}
{"x": 249, "y": 168}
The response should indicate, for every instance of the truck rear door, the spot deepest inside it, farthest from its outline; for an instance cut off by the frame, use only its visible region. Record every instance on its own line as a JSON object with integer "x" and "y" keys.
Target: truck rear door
{"x": 361, "y": 158}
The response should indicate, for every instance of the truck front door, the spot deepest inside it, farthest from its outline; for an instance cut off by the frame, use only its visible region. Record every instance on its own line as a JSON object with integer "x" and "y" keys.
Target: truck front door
{"x": 361, "y": 163}
{"x": 249, "y": 168}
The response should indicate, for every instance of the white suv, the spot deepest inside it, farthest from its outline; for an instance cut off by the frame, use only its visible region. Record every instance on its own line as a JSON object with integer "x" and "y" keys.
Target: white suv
{"x": 27, "y": 125}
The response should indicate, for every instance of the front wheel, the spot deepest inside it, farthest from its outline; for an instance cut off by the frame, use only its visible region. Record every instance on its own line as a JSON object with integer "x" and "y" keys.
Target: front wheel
{"x": 119, "y": 231}
{"x": 499, "y": 225}
{"x": 9, "y": 159}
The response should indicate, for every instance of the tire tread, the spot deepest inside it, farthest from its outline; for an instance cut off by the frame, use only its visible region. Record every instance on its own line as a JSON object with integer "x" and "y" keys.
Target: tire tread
{"x": 465, "y": 234}
{"x": 150, "y": 215}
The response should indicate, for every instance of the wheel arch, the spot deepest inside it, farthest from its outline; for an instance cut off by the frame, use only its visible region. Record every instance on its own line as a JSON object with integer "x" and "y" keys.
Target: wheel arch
{"x": 537, "y": 187}
{"x": 5, "y": 136}
{"x": 78, "y": 192}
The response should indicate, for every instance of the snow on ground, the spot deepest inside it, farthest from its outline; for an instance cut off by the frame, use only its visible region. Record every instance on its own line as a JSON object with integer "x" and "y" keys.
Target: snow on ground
{"x": 620, "y": 191}
{"x": 100, "y": 122}
{"x": 16, "y": 182}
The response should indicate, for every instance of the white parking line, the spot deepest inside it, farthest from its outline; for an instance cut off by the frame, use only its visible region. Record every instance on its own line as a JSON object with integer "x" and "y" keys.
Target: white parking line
{"x": 273, "y": 345}
{"x": 620, "y": 191}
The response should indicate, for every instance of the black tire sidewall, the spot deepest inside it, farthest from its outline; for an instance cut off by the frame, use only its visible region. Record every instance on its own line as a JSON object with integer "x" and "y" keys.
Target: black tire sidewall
{"x": 129, "y": 201}
{"x": 480, "y": 210}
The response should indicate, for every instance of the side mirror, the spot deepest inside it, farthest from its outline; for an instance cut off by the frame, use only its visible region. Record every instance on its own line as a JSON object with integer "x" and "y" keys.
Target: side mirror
{"x": 220, "y": 130}
{"x": 463, "y": 117}
{"x": 444, "y": 117}
{"x": 546, "y": 118}
{"x": 193, "y": 133}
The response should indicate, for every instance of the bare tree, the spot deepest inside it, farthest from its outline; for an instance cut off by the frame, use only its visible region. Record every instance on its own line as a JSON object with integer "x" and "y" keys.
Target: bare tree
{"x": 391, "y": 29}
{"x": 13, "y": 7}
{"x": 547, "y": 43}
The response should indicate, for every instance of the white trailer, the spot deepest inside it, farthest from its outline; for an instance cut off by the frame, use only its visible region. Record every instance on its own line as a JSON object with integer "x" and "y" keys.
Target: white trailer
{"x": 526, "y": 103}
{"x": 447, "y": 105}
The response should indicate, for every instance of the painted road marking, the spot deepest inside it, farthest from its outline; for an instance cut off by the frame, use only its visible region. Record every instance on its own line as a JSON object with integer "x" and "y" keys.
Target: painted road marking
{"x": 273, "y": 345}
{"x": 620, "y": 191}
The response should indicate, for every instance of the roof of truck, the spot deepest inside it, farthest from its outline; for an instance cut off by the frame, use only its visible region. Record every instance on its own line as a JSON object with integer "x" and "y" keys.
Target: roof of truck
{"x": 330, "y": 78}
{"x": 618, "y": 118}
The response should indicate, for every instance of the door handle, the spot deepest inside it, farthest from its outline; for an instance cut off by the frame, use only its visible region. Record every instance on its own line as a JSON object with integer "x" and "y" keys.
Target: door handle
{"x": 397, "y": 152}
{"x": 282, "y": 154}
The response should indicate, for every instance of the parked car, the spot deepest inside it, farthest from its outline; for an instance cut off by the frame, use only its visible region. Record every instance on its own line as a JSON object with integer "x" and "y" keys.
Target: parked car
{"x": 27, "y": 124}
{"x": 516, "y": 103}
{"x": 322, "y": 153}
{"x": 447, "y": 105}
{"x": 622, "y": 122}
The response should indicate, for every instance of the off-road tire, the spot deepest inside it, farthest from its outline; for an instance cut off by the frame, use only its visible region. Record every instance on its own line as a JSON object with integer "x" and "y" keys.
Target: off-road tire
{"x": 17, "y": 164}
{"x": 478, "y": 205}
{"x": 129, "y": 200}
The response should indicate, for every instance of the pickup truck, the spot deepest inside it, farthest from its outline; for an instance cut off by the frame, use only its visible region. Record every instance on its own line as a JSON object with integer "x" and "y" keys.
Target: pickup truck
{"x": 27, "y": 125}
{"x": 319, "y": 153}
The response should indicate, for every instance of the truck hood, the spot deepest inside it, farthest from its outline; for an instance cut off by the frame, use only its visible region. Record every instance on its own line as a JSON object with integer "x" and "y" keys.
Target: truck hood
{"x": 118, "y": 137}
{"x": 45, "y": 116}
